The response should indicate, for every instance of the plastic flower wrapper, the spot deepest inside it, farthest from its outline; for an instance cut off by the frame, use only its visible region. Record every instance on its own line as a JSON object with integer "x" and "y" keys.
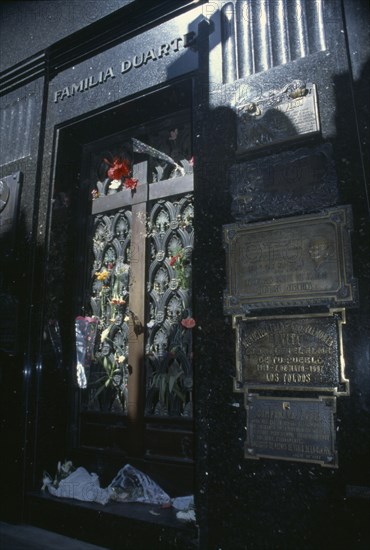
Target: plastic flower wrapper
{"x": 86, "y": 329}
{"x": 63, "y": 471}
{"x": 74, "y": 483}
{"x": 132, "y": 485}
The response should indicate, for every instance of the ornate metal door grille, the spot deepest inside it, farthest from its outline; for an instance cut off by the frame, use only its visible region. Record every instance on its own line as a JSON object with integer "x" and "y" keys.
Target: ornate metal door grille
{"x": 140, "y": 280}
{"x": 109, "y": 299}
{"x": 169, "y": 379}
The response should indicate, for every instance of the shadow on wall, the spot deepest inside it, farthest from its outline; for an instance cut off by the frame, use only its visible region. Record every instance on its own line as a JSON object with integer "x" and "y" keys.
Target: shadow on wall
{"x": 236, "y": 499}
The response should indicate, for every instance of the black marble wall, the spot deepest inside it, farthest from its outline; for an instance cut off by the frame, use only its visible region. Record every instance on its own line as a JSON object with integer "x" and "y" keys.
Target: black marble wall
{"x": 21, "y": 128}
{"x": 45, "y": 23}
{"x": 271, "y": 503}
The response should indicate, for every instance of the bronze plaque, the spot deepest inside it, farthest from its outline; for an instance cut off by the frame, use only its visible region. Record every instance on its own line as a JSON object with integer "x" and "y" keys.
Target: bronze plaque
{"x": 303, "y": 260}
{"x": 276, "y": 116}
{"x": 291, "y": 429}
{"x": 292, "y": 352}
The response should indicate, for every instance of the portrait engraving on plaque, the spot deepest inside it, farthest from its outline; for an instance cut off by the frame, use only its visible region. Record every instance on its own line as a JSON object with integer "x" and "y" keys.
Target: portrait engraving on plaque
{"x": 292, "y": 353}
{"x": 276, "y": 116}
{"x": 291, "y": 182}
{"x": 303, "y": 260}
{"x": 291, "y": 429}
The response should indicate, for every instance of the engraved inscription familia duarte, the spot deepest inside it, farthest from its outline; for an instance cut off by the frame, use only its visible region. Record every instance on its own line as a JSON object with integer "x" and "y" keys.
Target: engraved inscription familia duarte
{"x": 139, "y": 60}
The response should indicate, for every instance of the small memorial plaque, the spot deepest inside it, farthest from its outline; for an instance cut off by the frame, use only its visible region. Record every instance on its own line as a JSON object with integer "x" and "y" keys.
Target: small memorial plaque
{"x": 292, "y": 182}
{"x": 294, "y": 352}
{"x": 277, "y": 116}
{"x": 303, "y": 260}
{"x": 291, "y": 429}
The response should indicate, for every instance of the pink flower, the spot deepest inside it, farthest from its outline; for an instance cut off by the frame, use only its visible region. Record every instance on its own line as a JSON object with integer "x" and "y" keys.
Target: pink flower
{"x": 130, "y": 183}
{"x": 189, "y": 322}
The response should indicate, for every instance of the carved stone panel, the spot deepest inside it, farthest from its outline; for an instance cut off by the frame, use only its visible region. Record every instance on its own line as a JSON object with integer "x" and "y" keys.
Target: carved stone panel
{"x": 291, "y": 182}
{"x": 303, "y": 260}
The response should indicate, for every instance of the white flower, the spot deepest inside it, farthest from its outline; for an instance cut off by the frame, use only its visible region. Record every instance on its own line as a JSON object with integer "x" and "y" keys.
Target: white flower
{"x": 104, "y": 334}
{"x": 114, "y": 184}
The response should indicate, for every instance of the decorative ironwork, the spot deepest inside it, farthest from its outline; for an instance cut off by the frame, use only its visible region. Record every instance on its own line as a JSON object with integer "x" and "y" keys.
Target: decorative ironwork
{"x": 167, "y": 154}
{"x": 168, "y": 345}
{"x": 125, "y": 174}
{"x": 109, "y": 299}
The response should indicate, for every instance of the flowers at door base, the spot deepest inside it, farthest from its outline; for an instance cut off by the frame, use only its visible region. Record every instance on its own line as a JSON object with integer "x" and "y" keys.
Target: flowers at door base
{"x": 63, "y": 471}
{"x": 189, "y": 322}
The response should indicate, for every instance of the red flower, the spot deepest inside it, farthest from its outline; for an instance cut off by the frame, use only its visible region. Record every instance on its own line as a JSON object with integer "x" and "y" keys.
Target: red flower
{"x": 173, "y": 260}
{"x": 118, "y": 169}
{"x": 130, "y": 183}
{"x": 118, "y": 301}
{"x": 188, "y": 323}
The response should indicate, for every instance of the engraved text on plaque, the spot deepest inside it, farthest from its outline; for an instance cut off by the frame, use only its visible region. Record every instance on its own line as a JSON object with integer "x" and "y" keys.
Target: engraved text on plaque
{"x": 303, "y": 260}
{"x": 291, "y": 429}
{"x": 293, "y": 352}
